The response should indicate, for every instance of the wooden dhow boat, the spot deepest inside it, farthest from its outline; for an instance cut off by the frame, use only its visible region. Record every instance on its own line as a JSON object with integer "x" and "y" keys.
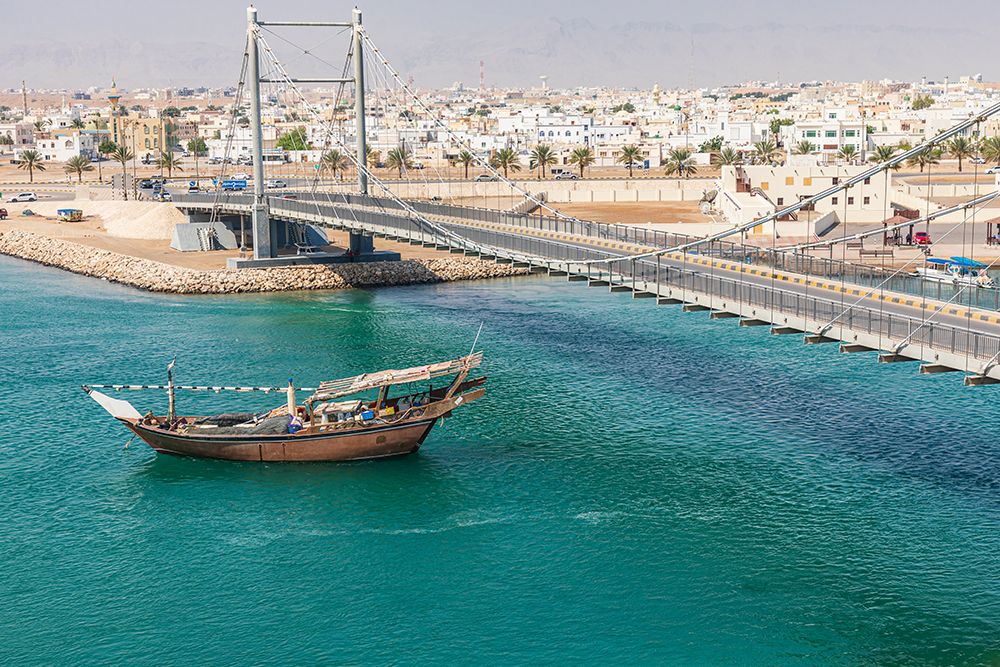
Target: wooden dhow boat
{"x": 350, "y": 419}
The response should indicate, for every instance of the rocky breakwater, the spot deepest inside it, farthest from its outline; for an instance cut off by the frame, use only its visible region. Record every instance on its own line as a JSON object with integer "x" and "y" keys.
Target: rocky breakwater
{"x": 158, "y": 277}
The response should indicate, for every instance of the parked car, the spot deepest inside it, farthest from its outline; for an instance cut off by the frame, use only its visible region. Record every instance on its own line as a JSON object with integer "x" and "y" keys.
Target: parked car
{"x": 145, "y": 184}
{"x": 977, "y": 160}
{"x": 3, "y": 214}
{"x": 993, "y": 170}
{"x": 242, "y": 177}
{"x": 483, "y": 178}
{"x": 921, "y": 238}
{"x": 276, "y": 183}
{"x": 567, "y": 176}
{"x": 215, "y": 160}
{"x": 24, "y": 196}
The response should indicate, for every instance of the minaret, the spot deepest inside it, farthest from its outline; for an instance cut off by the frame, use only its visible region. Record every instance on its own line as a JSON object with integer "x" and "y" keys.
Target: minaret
{"x": 113, "y": 98}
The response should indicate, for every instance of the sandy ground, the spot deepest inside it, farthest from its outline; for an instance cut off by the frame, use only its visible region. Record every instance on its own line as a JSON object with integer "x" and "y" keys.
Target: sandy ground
{"x": 636, "y": 213}
{"x": 92, "y": 232}
{"x": 965, "y": 177}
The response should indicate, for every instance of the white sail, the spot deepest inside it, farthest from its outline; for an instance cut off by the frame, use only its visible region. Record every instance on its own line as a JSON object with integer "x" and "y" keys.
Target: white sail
{"x": 116, "y": 407}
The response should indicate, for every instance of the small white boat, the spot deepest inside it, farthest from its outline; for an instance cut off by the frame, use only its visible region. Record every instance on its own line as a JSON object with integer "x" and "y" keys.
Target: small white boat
{"x": 960, "y": 271}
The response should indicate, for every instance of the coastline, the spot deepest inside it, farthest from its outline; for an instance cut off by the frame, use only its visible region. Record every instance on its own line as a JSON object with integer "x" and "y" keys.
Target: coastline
{"x": 152, "y": 276}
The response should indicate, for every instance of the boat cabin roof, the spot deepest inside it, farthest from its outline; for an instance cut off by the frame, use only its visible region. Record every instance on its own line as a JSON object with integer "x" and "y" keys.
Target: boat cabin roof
{"x": 333, "y": 389}
{"x": 963, "y": 262}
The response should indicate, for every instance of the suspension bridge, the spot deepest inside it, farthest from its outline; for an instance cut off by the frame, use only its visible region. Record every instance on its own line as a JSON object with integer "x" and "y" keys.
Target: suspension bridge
{"x": 792, "y": 290}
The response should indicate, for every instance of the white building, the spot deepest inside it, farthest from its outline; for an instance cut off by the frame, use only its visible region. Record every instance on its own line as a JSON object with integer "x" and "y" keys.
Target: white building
{"x": 835, "y": 130}
{"x": 21, "y": 133}
{"x": 65, "y": 145}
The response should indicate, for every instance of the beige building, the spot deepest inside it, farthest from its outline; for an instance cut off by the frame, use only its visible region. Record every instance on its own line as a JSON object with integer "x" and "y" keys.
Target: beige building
{"x": 749, "y": 192}
{"x": 143, "y": 136}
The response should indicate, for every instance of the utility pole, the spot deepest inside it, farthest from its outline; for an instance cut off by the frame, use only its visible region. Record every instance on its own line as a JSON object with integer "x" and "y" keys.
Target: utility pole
{"x": 24, "y": 99}
{"x": 261, "y": 221}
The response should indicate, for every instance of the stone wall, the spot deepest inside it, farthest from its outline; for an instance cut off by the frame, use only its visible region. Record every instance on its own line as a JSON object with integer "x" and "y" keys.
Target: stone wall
{"x": 158, "y": 277}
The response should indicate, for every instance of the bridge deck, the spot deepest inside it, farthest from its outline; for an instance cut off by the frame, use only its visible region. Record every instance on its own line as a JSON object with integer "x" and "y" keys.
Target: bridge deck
{"x": 955, "y": 337}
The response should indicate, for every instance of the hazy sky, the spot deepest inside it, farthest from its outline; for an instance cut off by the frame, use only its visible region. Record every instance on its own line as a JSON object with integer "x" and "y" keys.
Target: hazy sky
{"x": 578, "y": 42}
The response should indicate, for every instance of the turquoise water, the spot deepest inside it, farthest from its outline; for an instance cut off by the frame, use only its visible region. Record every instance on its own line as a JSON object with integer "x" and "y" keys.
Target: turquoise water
{"x": 638, "y": 485}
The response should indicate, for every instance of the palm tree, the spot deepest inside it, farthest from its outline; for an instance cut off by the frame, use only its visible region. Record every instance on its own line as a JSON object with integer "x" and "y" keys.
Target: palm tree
{"x": 804, "y": 148}
{"x": 40, "y": 125}
{"x": 541, "y": 157}
{"x": 198, "y": 148}
{"x": 630, "y": 156}
{"x": 582, "y": 158}
{"x": 106, "y": 147}
{"x": 334, "y": 161}
{"x": 680, "y": 162}
{"x": 506, "y": 159}
{"x": 765, "y": 152}
{"x": 77, "y": 124}
{"x": 884, "y": 154}
{"x": 122, "y": 155}
{"x": 466, "y": 159}
{"x": 373, "y": 157}
{"x": 990, "y": 149}
{"x": 31, "y": 160}
{"x": 847, "y": 153}
{"x": 400, "y": 159}
{"x": 926, "y": 158}
{"x": 77, "y": 165}
{"x": 961, "y": 148}
{"x": 169, "y": 161}
{"x": 727, "y": 156}
{"x": 905, "y": 145}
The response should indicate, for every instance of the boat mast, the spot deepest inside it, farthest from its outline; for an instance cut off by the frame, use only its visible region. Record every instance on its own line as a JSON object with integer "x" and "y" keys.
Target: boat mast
{"x": 171, "y": 413}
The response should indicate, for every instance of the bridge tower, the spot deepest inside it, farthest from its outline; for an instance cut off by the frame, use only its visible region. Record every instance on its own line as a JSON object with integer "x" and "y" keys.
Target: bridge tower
{"x": 360, "y": 244}
{"x": 264, "y": 242}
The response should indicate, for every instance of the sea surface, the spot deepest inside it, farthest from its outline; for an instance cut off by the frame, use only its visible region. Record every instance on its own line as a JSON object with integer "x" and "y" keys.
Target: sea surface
{"x": 638, "y": 486}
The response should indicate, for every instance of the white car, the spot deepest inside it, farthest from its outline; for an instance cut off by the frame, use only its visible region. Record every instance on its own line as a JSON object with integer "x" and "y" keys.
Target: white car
{"x": 567, "y": 176}
{"x": 242, "y": 177}
{"x": 276, "y": 183}
{"x": 993, "y": 170}
{"x": 24, "y": 196}
{"x": 977, "y": 160}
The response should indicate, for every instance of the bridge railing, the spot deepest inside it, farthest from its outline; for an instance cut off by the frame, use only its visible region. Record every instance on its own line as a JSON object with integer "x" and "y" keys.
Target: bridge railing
{"x": 824, "y": 268}
{"x": 655, "y": 276}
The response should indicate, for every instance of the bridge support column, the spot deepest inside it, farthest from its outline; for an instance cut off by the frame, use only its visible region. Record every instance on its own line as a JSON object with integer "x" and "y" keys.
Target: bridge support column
{"x": 931, "y": 369}
{"x": 263, "y": 243}
{"x": 361, "y": 245}
{"x": 893, "y": 358}
{"x": 979, "y": 380}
